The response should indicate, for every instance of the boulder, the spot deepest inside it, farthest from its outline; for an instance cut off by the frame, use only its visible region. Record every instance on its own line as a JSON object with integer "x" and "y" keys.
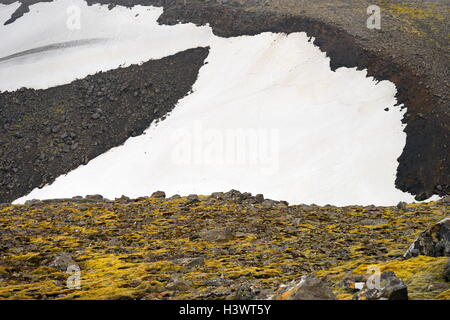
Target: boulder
{"x": 390, "y": 288}
{"x": 308, "y": 288}
{"x": 234, "y": 196}
{"x": 192, "y": 198}
{"x": 159, "y": 194}
{"x": 62, "y": 262}
{"x": 433, "y": 242}
{"x": 402, "y": 205}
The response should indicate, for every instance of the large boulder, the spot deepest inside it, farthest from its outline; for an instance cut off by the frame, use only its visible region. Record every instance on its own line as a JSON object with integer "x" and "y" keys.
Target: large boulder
{"x": 433, "y": 242}
{"x": 308, "y": 288}
{"x": 389, "y": 288}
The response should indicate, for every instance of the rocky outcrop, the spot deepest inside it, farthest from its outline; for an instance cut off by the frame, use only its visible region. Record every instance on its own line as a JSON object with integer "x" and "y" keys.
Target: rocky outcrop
{"x": 387, "y": 287}
{"x": 307, "y": 288}
{"x": 60, "y": 128}
{"x": 433, "y": 242}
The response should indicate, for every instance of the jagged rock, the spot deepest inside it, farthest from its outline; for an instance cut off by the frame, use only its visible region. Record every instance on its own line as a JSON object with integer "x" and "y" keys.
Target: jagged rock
{"x": 94, "y": 198}
{"x": 352, "y": 281}
{"x": 390, "y": 288}
{"x": 233, "y": 195}
{"x": 434, "y": 242}
{"x": 283, "y": 203}
{"x": 259, "y": 198}
{"x": 159, "y": 194}
{"x": 308, "y": 288}
{"x": 32, "y": 202}
{"x": 268, "y": 203}
{"x": 62, "y": 262}
{"x": 192, "y": 198}
{"x": 217, "y": 235}
{"x": 123, "y": 199}
{"x": 402, "y": 205}
{"x": 217, "y": 195}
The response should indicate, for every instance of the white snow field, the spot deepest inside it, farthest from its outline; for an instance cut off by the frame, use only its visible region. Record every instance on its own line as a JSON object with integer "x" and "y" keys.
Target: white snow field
{"x": 266, "y": 115}
{"x": 109, "y": 39}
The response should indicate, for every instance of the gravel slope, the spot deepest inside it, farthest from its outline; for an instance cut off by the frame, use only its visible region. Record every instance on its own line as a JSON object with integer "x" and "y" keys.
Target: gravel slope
{"x": 411, "y": 50}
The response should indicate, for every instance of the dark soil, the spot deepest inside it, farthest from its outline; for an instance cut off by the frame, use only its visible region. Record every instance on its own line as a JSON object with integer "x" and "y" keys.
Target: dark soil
{"x": 408, "y": 51}
{"x": 46, "y": 133}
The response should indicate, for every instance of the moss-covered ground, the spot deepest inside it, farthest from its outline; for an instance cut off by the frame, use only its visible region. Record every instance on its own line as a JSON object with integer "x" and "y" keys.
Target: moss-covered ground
{"x": 132, "y": 249}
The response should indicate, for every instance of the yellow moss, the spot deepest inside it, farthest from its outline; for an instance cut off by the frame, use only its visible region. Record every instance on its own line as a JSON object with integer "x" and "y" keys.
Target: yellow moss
{"x": 417, "y": 273}
{"x": 444, "y": 295}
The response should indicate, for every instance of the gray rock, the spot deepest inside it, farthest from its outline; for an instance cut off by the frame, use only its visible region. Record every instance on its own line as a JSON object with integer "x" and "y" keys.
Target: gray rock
{"x": 192, "y": 198}
{"x": 402, "y": 205}
{"x": 217, "y": 195}
{"x": 391, "y": 288}
{"x": 94, "y": 198}
{"x": 159, "y": 194}
{"x": 62, "y": 262}
{"x": 32, "y": 202}
{"x": 433, "y": 242}
{"x": 308, "y": 288}
{"x": 269, "y": 203}
{"x": 259, "y": 198}
{"x": 234, "y": 196}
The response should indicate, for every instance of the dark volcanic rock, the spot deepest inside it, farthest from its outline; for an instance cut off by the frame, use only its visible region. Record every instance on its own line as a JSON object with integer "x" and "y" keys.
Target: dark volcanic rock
{"x": 60, "y": 130}
{"x": 434, "y": 242}
{"x": 159, "y": 194}
{"x": 424, "y": 165}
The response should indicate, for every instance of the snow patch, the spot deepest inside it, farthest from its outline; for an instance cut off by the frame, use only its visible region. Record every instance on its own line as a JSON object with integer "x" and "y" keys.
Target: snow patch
{"x": 267, "y": 114}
